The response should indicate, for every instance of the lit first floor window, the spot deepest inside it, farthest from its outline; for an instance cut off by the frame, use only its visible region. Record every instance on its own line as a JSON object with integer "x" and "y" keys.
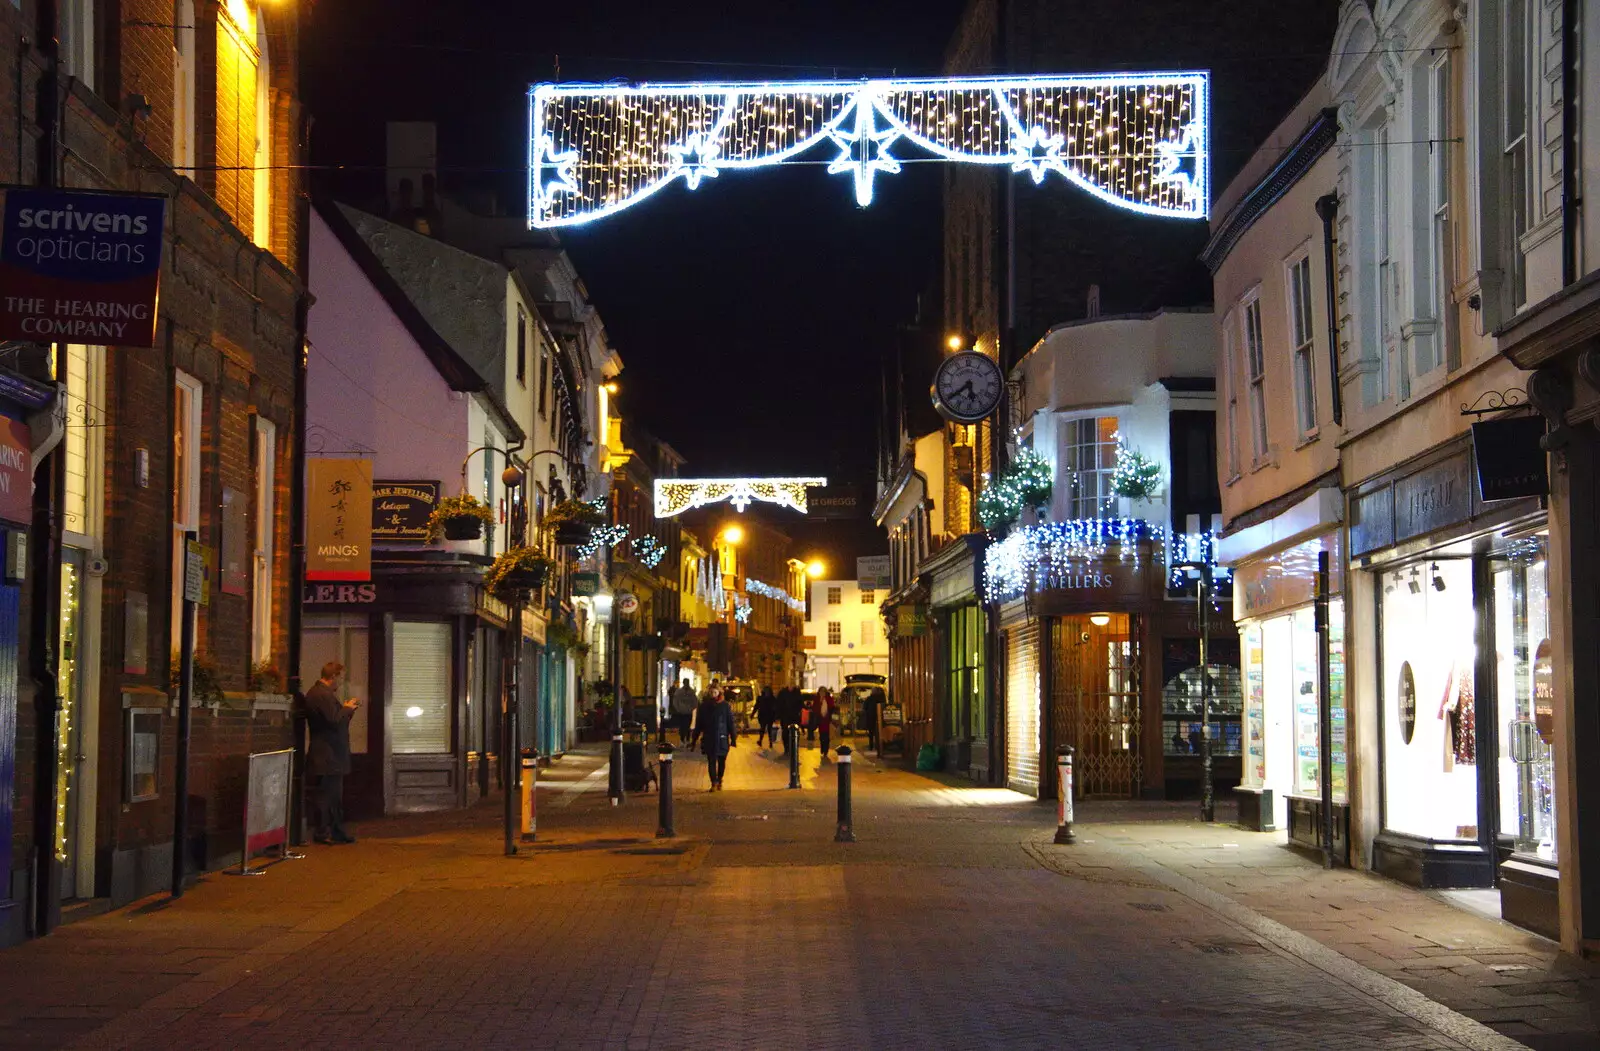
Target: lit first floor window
{"x": 835, "y": 633}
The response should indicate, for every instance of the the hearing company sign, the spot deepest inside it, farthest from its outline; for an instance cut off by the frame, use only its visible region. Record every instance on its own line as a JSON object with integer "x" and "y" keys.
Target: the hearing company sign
{"x": 80, "y": 267}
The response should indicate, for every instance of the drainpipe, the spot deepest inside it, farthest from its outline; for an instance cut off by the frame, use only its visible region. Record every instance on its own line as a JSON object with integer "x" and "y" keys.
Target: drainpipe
{"x": 1569, "y": 143}
{"x": 1327, "y": 211}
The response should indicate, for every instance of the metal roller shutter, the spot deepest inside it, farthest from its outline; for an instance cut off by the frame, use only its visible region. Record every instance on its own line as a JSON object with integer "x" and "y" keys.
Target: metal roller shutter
{"x": 1022, "y": 708}
{"x": 419, "y": 692}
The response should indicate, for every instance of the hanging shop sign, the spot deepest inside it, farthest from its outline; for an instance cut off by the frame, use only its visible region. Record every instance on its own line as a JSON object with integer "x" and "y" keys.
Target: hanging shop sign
{"x": 875, "y": 573}
{"x": 339, "y": 519}
{"x": 910, "y": 622}
{"x": 585, "y": 584}
{"x": 80, "y": 267}
{"x": 400, "y": 511}
{"x": 1511, "y": 458}
{"x": 16, "y": 471}
{"x": 836, "y": 502}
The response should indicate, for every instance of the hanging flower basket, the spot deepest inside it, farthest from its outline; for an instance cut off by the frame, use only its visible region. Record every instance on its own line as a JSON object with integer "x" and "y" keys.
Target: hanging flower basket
{"x": 459, "y": 518}
{"x": 573, "y": 534}
{"x": 573, "y": 521}
{"x": 518, "y": 569}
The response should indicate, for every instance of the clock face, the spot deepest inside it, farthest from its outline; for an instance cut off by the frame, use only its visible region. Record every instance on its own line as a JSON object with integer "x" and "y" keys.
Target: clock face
{"x": 967, "y": 387}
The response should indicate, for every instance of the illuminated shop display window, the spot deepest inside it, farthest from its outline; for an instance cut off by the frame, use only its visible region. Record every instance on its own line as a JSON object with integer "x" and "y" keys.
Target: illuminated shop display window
{"x": 1429, "y": 691}
{"x": 1525, "y": 679}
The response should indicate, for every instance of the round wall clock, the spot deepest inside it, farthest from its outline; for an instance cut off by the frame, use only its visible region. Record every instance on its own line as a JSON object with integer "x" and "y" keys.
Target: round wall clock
{"x": 967, "y": 387}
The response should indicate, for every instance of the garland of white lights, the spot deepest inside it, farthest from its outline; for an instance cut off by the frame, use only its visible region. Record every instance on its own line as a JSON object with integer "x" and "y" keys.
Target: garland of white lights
{"x": 1137, "y": 140}
{"x": 1038, "y": 558}
{"x": 708, "y": 584}
{"x": 756, "y": 587}
{"x": 648, "y": 550}
{"x": 600, "y": 538}
{"x": 742, "y": 610}
{"x": 677, "y": 495}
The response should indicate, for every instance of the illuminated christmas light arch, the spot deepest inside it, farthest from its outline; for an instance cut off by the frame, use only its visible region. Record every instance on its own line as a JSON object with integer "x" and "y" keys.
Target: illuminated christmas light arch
{"x": 1137, "y": 140}
{"x": 677, "y": 495}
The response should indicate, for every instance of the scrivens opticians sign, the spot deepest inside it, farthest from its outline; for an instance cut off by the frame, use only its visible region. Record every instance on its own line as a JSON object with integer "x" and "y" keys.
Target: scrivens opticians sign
{"x": 80, "y": 267}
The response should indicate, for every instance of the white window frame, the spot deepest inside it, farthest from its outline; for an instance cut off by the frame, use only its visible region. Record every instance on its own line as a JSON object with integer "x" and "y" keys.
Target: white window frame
{"x": 1299, "y": 299}
{"x": 1230, "y": 376}
{"x": 261, "y": 213}
{"x": 183, "y": 78}
{"x": 1255, "y": 353}
{"x": 835, "y": 596}
{"x": 1441, "y": 150}
{"x": 1515, "y": 105}
{"x": 265, "y": 563}
{"x": 1083, "y": 464}
{"x": 77, "y": 39}
{"x": 868, "y": 596}
{"x": 867, "y": 635}
{"x": 1395, "y": 378}
{"x": 835, "y": 633}
{"x": 189, "y": 486}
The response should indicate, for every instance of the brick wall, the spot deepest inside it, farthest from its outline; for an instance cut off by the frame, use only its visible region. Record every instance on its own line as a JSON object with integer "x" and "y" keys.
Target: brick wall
{"x": 227, "y": 317}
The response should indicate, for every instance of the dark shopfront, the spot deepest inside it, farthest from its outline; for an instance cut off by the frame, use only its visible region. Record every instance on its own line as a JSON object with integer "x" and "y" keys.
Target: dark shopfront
{"x": 423, "y": 651}
{"x": 1464, "y": 664}
{"x": 1108, "y": 661}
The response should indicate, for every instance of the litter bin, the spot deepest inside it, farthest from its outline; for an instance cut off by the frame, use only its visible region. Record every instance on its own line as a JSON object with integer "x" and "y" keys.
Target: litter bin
{"x": 636, "y": 774}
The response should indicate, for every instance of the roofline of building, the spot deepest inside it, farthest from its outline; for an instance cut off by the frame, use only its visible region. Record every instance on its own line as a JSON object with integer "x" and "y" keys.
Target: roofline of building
{"x": 1317, "y": 138}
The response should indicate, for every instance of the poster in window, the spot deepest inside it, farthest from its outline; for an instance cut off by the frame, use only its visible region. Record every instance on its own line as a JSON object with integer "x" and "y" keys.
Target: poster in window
{"x": 135, "y": 633}
{"x": 339, "y": 519}
{"x": 144, "y": 756}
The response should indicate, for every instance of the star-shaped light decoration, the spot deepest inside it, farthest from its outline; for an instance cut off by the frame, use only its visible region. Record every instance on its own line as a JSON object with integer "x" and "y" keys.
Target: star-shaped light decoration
{"x": 1038, "y": 153}
{"x": 696, "y": 159}
{"x": 1179, "y": 162}
{"x": 864, "y": 147}
{"x": 553, "y": 172}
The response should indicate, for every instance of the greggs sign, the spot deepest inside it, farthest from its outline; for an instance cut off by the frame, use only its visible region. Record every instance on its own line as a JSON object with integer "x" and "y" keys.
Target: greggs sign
{"x": 80, "y": 267}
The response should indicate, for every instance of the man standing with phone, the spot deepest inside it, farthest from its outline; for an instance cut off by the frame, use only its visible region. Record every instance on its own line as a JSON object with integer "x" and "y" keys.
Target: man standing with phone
{"x": 328, "y": 759}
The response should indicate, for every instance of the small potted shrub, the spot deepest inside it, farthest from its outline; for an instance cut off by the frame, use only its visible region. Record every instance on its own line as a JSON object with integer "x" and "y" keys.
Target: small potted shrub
{"x": 518, "y": 569}
{"x": 573, "y": 521}
{"x": 459, "y": 518}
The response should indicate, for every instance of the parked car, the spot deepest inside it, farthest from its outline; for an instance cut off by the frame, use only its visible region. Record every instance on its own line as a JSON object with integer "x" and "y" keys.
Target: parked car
{"x": 741, "y": 694}
{"x": 853, "y": 693}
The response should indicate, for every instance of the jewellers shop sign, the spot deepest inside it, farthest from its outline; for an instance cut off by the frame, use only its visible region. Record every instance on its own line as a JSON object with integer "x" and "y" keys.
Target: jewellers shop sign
{"x": 80, "y": 267}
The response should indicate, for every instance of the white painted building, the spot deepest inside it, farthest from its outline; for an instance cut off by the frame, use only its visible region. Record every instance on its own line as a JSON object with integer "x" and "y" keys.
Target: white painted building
{"x": 844, "y": 625}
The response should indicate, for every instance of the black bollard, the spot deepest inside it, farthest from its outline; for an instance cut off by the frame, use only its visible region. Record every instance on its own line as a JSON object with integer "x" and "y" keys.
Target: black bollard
{"x": 791, "y": 741}
{"x": 846, "y": 833}
{"x": 664, "y": 823}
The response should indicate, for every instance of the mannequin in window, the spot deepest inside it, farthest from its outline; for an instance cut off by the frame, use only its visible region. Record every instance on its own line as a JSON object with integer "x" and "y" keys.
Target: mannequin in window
{"x": 1458, "y": 709}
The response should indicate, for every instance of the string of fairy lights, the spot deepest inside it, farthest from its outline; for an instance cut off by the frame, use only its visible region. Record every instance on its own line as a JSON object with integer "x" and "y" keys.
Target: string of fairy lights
{"x": 1136, "y": 140}
{"x": 673, "y": 496}
{"x": 1045, "y": 556}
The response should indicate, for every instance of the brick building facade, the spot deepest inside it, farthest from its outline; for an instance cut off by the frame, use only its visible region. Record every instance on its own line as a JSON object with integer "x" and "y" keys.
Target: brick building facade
{"x": 195, "y": 101}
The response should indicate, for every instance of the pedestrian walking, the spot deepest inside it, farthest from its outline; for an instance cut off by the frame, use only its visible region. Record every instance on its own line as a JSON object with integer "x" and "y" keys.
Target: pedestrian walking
{"x": 683, "y": 702}
{"x": 823, "y": 712}
{"x": 871, "y": 708}
{"x": 766, "y": 716}
{"x": 328, "y": 758}
{"x": 789, "y": 708}
{"x": 715, "y": 732}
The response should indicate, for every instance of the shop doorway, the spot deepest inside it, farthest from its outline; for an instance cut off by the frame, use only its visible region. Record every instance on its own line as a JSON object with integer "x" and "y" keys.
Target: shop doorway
{"x": 1095, "y": 701}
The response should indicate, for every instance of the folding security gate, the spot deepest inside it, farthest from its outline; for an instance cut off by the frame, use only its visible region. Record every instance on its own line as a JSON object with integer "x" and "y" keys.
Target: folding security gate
{"x": 1022, "y": 707}
{"x": 1095, "y": 685}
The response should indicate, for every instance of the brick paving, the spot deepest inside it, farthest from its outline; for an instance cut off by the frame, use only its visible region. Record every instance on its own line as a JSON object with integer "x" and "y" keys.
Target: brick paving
{"x": 952, "y": 922}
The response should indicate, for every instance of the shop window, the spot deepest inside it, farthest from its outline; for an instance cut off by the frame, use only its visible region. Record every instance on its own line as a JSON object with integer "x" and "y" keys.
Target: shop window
{"x": 339, "y": 637}
{"x": 1302, "y": 340}
{"x": 82, "y": 442}
{"x": 1181, "y": 710}
{"x": 969, "y": 717}
{"x": 419, "y": 693}
{"x": 1089, "y": 457}
{"x": 1429, "y": 695}
{"x": 835, "y": 633}
{"x": 1525, "y": 680}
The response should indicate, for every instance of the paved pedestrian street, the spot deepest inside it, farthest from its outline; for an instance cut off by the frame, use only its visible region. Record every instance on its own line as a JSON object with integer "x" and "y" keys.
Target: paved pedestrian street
{"x": 954, "y": 921}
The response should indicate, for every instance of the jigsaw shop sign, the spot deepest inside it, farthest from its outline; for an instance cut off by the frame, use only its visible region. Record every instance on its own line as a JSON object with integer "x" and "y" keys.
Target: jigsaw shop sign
{"x": 80, "y": 267}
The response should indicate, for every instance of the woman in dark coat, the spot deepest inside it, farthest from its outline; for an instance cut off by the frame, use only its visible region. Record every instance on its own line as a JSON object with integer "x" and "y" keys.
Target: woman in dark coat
{"x": 714, "y": 729}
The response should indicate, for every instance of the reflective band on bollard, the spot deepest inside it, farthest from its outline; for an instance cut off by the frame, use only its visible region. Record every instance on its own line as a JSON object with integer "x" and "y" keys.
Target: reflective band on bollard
{"x": 530, "y": 795}
{"x": 1064, "y": 832}
{"x": 846, "y": 833}
{"x": 664, "y": 822}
